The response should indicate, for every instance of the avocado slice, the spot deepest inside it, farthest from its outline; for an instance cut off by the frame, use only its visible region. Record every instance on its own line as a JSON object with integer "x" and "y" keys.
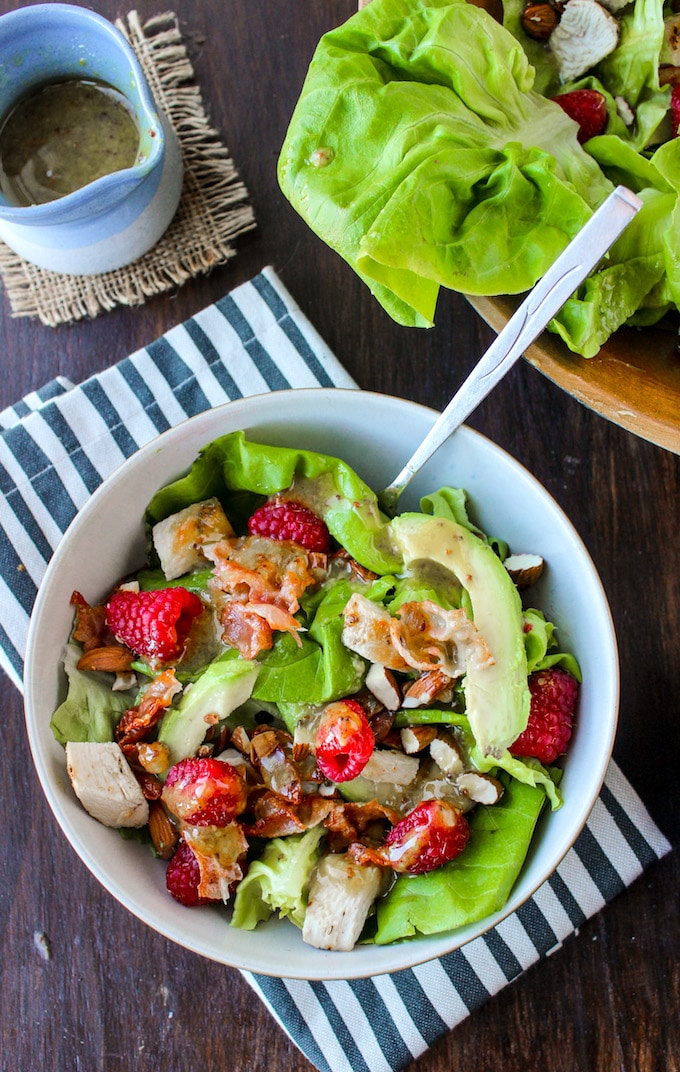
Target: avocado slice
{"x": 497, "y": 697}
{"x": 225, "y": 685}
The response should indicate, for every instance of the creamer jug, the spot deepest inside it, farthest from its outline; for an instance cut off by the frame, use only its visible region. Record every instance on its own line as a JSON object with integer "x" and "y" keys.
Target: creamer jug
{"x": 90, "y": 170}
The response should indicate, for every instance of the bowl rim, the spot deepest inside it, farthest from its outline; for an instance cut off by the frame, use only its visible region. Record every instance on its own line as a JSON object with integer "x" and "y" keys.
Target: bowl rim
{"x": 328, "y": 965}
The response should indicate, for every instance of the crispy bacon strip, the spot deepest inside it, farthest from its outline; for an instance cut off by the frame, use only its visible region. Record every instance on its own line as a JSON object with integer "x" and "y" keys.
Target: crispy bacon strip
{"x": 349, "y": 821}
{"x": 277, "y": 817}
{"x": 137, "y": 721}
{"x": 427, "y": 636}
{"x": 257, "y": 570}
{"x": 90, "y": 629}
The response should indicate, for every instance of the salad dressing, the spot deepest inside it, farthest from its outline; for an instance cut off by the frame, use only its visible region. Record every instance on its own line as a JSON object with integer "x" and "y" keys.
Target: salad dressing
{"x": 62, "y": 137}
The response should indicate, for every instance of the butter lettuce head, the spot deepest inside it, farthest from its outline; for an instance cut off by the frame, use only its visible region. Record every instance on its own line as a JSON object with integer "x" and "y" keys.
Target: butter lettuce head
{"x": 426, "y": 151}
{"x": 420, "y": 152}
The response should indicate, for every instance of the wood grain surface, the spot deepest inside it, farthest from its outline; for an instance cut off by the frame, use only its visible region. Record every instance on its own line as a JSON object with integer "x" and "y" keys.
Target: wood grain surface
{"x": 83, "y": 985}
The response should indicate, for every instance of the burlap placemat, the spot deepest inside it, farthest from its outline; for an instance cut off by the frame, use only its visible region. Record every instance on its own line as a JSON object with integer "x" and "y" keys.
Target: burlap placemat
{"x": 213, "y": 209}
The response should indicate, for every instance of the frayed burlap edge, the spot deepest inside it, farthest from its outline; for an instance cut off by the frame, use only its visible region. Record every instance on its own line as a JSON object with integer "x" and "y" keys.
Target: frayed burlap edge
{"x": 212, "y": 212}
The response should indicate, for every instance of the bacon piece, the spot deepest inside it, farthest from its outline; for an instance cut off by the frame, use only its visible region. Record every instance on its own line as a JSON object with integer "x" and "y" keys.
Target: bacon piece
{"x": 276, "y": 817}
{"x": 349, "y": 821}
{"x": 427, "y": 636}
{"x": 90, "y": 628}
{"x": 258, "y": 570}
{"x": 137, "y": 721}
{"x": 244, "y": 630}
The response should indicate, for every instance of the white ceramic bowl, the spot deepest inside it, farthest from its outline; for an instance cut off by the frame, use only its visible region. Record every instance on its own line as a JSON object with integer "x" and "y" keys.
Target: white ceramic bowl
{"x": 375, "y": 434}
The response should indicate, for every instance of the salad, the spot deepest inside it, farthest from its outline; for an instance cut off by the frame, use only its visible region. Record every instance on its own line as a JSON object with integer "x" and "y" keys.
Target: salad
{"x": 433, "y": 147}
{"x": 313, "y": 711}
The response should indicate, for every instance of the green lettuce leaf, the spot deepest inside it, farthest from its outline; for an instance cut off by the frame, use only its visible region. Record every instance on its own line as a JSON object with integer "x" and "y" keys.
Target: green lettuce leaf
{"x": 419, "y": 151}
{"x": 279, "y": 880}
{"x": 91, "y": 711}
{"x": 541, "y": 646}
{"x": 318, "y": 670}
{"x": 475, "y": 884}
{"x": 231, "y": 465}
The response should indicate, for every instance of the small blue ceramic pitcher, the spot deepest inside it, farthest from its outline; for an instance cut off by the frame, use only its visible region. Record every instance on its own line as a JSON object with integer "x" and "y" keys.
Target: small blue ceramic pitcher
{"x": 115, "y": 219}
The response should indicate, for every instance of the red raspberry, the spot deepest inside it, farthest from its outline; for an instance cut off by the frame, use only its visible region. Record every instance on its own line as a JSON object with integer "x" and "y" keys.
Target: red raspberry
{"x": 344, "y": 741}
{"x": 435, "y": 832}
{"x": 553, "y": 699}
{"x": 588, "y": 107}
{"x": 675, "y": 110}
{"x": 286, "y": 520}
{"x": 153, "y": 624}
{"x": 183, "y": 877}
{"x": 204, "y": 792}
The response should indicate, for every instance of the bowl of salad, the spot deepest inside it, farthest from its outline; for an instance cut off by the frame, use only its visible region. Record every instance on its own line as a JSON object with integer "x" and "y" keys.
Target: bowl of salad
{"x": 298, "y": 736}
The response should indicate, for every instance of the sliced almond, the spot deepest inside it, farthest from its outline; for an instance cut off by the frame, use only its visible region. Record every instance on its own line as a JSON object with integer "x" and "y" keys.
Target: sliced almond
{"x": 389, "y": 765}
{"x": 383, "y": 684}
{"x": 113, "y": 658}
{"x": 429, "y": 686}
{"x": 524, "y": 569}
{"x": 416, "y": 738}
{"x": 482, "y": 788}
{"x": 447, "y": 754}
{"x": 163, "y": 834}
{"x": 263, "y": 744}
{"x": 241, "y": 740}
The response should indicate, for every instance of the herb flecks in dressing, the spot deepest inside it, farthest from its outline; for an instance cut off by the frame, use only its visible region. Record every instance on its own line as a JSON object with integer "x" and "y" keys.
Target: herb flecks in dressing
{"x": 62, "y": 137}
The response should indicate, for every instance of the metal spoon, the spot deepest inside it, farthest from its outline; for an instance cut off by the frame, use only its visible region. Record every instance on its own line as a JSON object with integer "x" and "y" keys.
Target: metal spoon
{"x": 532, "y": 316}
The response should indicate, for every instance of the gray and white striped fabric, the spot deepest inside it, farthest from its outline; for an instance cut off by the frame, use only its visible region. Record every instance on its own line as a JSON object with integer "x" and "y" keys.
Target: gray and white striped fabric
{"x": 59, "y": 443}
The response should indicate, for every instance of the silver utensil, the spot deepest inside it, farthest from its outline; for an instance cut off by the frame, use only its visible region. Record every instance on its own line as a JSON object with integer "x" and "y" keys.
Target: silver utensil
{"x": 538, "y": 308}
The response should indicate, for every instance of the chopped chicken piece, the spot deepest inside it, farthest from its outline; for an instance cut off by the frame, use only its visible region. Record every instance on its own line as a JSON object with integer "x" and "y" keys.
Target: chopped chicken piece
{"x": 389, "y": 765}
{"x": 367, "y": 631}
{"x": 179, "y": 539}
{"x": 105, "y": 785}
{"x": 340, "y": 897}
{"x": 585, "y": 34}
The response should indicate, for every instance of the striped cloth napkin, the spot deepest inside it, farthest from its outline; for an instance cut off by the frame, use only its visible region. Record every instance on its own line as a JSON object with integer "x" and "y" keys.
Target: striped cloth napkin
{"x": 59, "y": 443}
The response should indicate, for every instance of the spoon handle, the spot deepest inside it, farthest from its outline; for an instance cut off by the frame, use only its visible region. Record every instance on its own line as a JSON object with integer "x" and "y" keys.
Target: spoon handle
{"x": 536, "y": 311}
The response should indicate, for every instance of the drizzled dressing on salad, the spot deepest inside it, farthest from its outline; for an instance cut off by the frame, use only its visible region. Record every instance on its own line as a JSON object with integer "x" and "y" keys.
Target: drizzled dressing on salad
{"x": 313, "y": 712}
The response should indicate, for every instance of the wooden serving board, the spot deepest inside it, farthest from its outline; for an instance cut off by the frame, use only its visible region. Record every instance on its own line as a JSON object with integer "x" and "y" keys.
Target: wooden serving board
{"x": 633, "y": 381}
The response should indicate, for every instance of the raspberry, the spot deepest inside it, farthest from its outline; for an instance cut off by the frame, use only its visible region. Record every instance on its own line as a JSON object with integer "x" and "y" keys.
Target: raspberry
{"x": 588, "y": 107}
{"x": 286, "y": 520}
{"x": 204, "y": 792}
{"x": 675, "y": 110}
{"x": 153, "y": 624}
{"x": 548, "y": 732}
{"x": 429, "y": 836}
{"x": 183, "y": 876}
{"x": 344, "y": 741}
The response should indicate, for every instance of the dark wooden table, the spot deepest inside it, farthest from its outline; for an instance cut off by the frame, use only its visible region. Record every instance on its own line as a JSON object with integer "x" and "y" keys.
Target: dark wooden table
{"x": 116, "y": 996}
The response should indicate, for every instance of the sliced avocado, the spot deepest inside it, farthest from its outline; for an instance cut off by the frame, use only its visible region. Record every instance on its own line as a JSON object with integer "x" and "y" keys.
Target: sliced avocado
{"x": 497, "y": 697}
{"x": 225, "y": 685}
